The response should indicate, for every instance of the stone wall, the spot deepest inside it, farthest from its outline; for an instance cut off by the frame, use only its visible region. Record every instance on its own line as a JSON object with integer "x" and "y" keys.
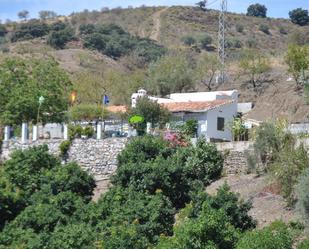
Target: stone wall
{"x": 235, "y": 156}
{"x": 98, "y": 157}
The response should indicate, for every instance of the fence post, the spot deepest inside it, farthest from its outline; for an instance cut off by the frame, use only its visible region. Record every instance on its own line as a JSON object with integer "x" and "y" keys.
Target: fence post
{"x": 35, "y": 130}
{"x": 148, "y": 128}
{"x": 99, "y": 131}
{"x": 65, "y": 132}
{"x": 6, "y": 133}
{"x": 24, "y": 133}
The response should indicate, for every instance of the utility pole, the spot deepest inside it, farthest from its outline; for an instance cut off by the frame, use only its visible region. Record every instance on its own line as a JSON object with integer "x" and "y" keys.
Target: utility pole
{"x": 221, "y": 40}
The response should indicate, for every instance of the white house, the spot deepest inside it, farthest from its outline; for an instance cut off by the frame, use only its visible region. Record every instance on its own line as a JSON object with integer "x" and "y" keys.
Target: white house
{"x": 214, "y": 111}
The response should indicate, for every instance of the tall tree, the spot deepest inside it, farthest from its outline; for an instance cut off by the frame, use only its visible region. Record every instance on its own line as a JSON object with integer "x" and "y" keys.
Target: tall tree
{"x": 170, "y": 74}
{"x": 24, "y": 14}
{"x": 47, "y": 14}
{"x": 23, "y": 82}
{"x": 254, "y": 65}
{"x": 299, "y": 16}
{"x": 297, "y": 58}
{"x": 206, "y": 69}
{"x": 257, "y": 10}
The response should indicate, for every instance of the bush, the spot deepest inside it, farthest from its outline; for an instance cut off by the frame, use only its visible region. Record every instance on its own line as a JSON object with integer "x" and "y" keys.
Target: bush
{"x": 88, "y": 131}
{"x": 205, "y": 41}
{"x": 143, "y": 149}
{"x": 289, "y": 165}
{"x": 303, "y": 196}
{"x": 3, "y": 30}
{"x": 234, "y": 43}
{"x": 96, "y": 41}
{"x": 205, "y": 163}
{"x": 299, "y": 16}
{"x": 264, "y": 28}
{"x": 257, "y": 10}
{"x": 29, "y": 30}
{"x": 58, "y": 39}
{"x": 276, "y": 236}
{"x": 190, "y": 128}
{"x": 211, "y": 229}
{"x": 251, "y": 43}
{"x": 283, "y": 31}
{"x": 152, "y": 215}
{"x": 239, "y": 28}
{"x": 188, "y": 40}
{"x": 86, "y": 29}
{"x": 86, "y": 112}
{"x": 304, "y": 244}
{"x": 64, "y": 147}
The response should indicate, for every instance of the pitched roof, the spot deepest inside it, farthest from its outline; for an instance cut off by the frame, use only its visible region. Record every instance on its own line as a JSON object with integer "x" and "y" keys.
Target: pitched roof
{"x": 117, "y": 109}
{"x": 198, "y": 106}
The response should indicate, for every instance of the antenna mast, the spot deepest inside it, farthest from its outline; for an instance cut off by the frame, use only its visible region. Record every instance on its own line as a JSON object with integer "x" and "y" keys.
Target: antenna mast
{"x": 221, "y": 40}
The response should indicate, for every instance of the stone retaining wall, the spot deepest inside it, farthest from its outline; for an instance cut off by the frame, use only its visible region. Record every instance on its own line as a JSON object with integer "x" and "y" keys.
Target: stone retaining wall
{"x": 98, "y": 157}
{"x": 235, "y": 156}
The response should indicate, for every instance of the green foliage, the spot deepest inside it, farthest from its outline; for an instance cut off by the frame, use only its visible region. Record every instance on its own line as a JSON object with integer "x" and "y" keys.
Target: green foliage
{"x": 188, "y": 40}
{"x": 3, "y": 30}
{"x": 303, "y": 196}
{"x": 142, "y": 149}
{"x": 170, "y": 74}
{"x": 299, "y": 16}
{"x": 64, "y": 147}
{"x": 257, "y": 10}
{"x": 47, "y": 14}
{"x": 86, "y": 112}
{"x": 276, "y": 236}
{"x": 297, "y": 58}
{"x": 190, "y": 128}
{"x": 269, "y": 141}
{"x": 251, "y": 42}
{"x": 202, "y": 5}
{"x": 21, "y": 87}
{"x": 255, "y": 66}
{"x": 211, "y": 229}
{"x": 206, "y": 69}
{"x": 113, "y": 41}
{"x": 239, "y": 28}
{"x": 205, "y": 163}
{"x": 58, "y": 39}
{"x": 152, "y": 215}
{"x": 151, "y": 111}
{"x": 264, "y": 28}
{"x": 289, "y": 165}
{"x": 29, "y": 30}
{"x": 304, "y": 244}
{"x": 88, "y": 131}
{"x": 204, "y": 41}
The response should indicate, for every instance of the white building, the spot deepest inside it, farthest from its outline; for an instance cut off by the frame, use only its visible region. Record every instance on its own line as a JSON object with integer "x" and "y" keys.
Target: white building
{"x": 214, "y": 111}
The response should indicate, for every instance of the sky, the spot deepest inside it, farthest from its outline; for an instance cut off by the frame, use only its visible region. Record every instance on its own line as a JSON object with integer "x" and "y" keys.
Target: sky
{"x": 9, "y": 8}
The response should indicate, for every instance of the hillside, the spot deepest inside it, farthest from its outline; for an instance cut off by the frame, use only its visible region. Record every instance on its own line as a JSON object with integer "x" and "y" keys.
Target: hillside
{"x": 167, "y": 26}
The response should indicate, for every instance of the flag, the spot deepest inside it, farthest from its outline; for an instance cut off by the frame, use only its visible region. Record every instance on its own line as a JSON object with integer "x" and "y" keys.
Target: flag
{"x": 105, "y": 100}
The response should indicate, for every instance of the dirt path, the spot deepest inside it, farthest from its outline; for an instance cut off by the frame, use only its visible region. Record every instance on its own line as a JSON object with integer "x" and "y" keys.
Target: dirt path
{"x": 155, "y": 33}
{"x": 267, "y": 206}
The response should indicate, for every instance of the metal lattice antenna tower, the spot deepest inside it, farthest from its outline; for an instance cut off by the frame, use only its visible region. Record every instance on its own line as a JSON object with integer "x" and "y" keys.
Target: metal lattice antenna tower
{"x": 221, "y": 40}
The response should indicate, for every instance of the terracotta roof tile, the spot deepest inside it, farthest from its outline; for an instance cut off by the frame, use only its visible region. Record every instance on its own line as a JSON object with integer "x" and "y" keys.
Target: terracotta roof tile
{"x": 199, "y": 106}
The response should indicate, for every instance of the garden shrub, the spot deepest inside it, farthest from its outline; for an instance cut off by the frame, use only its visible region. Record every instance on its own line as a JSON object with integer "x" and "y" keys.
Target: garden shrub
{"x": 205, "y": 163}
{"x": 304, "y": 244}
{"x": 64, "y": 147}
{"x": 264, "y": 28}
{"x": 86, "y": 112}
{"x": 153, "y": 214}
{"x": 29, "y": 30}
{"x": 289, "y": 165}
{"x": 142, "y": 149}
{"x": 190, "y": 128}
{"x": 211, "y": 229}
{"x": 303, "y": 196}
{"x": 276, "y": 236}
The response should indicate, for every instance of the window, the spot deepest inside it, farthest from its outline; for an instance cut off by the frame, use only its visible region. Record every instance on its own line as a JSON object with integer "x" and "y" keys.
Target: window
{"x": 220, "y": 124}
